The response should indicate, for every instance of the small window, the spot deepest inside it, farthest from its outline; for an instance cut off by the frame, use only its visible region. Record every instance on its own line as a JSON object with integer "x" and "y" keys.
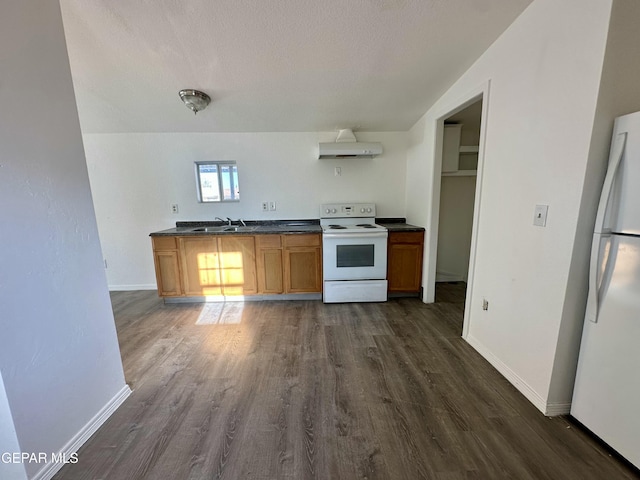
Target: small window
{"x": 217, "y": 182}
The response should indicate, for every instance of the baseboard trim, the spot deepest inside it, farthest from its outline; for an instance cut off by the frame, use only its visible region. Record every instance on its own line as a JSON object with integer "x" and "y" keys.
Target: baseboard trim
{"x": 449, "y": 277}
{"x": 522, "y": 386}
{"x": 49, "y": 470}
{"x": 129, "y": 288}
{"x": 244, "y": 298}
{"x": 555, "y": 409}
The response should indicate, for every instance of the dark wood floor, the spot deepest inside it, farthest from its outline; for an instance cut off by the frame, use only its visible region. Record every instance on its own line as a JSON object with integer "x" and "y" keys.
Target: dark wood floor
{"x": 297, "y": 390}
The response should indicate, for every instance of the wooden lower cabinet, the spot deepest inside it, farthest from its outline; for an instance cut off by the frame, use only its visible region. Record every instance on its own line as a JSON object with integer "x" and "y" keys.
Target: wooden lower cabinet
{"x": 404, "y": 262}
{"x": 200, "y": 265}
{"x": 211, "y": 265}
{"x": 165, "y": 258}
{"x": 224, "y": 265}
{"x": 238, "y": 265}
{"x": 289, "y": 263}
{"x": 269, "y": 264}
{"x": 301, "y": 269}
{"x": 302, "y": 263}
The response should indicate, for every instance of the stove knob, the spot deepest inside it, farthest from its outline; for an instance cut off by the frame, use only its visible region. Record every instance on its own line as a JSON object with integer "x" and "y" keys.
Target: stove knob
{"x": 333, "y": 210}
{"x": 362, "y": 210}
{"x": 369, "y": 210}
{"x": 328, "y": 210}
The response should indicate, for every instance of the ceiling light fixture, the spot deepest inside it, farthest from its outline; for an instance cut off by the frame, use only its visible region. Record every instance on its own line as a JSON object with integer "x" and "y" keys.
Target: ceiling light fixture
{"x": 194, "y": 99}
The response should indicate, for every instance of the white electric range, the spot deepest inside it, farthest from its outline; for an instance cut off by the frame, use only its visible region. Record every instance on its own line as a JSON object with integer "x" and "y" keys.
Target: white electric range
{"x": 354, "y": 253}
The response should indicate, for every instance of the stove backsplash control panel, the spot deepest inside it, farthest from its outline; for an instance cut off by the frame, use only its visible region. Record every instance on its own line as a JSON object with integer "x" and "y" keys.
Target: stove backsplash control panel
{"x": 345, "y": 210}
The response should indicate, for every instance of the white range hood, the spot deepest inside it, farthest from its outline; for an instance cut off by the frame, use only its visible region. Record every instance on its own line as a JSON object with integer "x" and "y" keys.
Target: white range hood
{"x": 346, "y": 146}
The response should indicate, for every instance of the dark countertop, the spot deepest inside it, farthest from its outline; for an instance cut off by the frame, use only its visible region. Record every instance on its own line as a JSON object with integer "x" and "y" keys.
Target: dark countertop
{"x": 262, "y": 228}
{"x": 276, "y": 227}
{"x": 398, "y": 225}
{"x": 402, "y": 227}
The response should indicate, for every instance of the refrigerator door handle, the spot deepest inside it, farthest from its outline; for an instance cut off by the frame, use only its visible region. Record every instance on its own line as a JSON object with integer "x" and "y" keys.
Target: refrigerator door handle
{"x": 616, "y": 156}
{"x": 592, "y": 298}
{"x": 617, "y": 150}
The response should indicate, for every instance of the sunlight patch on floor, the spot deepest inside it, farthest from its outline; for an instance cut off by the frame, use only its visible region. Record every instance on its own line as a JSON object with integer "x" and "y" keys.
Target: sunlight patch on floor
{"x": 220, "y": 313}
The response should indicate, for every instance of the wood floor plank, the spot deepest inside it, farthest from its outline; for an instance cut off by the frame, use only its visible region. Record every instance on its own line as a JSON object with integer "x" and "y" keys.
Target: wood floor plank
{"x": 303, "y": 390}
{"x": 313, "y": 414}
{"x": 313, "y": 344}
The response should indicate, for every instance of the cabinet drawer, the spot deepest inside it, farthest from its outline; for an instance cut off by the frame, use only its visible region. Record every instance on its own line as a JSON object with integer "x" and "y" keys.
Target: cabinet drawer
{"x": 268, "y": 241}
{"x": 406, "y": 237}
{"x": 164, "y": 243}
{"x": 297, "y": 240}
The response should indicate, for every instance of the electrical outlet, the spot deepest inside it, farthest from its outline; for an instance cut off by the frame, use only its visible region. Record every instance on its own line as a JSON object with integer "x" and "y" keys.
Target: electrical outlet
{"x": 174, "y": 208}
{"x": 272, "y": 206}
{"x": 485, "y": 304}
{"x": 540, "y": 215}
{"x": 337, "y": 171}
{"x": 265, "y": 206}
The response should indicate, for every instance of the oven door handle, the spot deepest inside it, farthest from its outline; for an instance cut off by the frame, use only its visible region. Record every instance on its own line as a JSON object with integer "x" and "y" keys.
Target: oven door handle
{"x": 356, "y": 235}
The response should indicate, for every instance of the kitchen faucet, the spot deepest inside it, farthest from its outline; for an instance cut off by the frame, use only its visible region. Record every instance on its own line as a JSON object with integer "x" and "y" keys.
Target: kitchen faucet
{"x": 240, "y": 221}
{"x": 229, "y": 221}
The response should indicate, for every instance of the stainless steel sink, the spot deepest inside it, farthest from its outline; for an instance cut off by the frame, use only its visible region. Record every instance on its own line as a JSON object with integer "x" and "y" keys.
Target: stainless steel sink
{"x": 209, "y": 229}
{"x": 239, "y": 229}
{"x": 224, "y": 228}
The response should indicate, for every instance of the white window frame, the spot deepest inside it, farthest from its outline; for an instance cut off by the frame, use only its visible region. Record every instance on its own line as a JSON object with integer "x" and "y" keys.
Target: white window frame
{"x": 234, "y": 192}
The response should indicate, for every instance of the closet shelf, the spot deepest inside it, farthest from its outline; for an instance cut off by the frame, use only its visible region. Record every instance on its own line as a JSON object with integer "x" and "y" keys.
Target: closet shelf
{"x": 469, "y": 149}
{"x": 461, "y": 173}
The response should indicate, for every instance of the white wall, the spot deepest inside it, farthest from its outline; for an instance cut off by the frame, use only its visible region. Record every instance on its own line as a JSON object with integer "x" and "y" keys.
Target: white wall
{"x": 457, "y": 195}
{"x": 544, "y": 74}
{"x": 136, "y": 177}
{"x": 59, "y": 356}
{"x": 619, "y": 94}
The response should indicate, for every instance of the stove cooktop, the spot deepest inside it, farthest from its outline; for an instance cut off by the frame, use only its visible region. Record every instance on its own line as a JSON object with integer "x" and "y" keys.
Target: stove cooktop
{"x": 349, "y": 218}
{"x": 352, "y": 228}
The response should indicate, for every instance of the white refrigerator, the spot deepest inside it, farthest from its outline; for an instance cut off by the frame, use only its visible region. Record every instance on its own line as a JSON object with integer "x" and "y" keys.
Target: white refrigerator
{"x": 606, "y": 396}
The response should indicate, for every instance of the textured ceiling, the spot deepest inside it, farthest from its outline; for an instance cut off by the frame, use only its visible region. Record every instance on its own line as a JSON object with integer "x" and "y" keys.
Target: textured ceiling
{"x": 272, "y": 65}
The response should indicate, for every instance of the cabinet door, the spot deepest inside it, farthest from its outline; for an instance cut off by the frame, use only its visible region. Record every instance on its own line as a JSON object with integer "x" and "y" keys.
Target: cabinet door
{"x": 167, "y": 273}
{"x": 270, "y": 271}
{"x": 200, "y": 266}
{"x": 404, "y": 263}
{"x": 303, "y": 270}
{"x": 405, "y": 267}
{"x": 237, "y": 256}
{"x": 269, "y": 264}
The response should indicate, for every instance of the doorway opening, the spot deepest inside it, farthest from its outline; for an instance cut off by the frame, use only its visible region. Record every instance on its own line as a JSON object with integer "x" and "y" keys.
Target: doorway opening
{"x": 460, "y": 146}
{"x": 457, "y": 182}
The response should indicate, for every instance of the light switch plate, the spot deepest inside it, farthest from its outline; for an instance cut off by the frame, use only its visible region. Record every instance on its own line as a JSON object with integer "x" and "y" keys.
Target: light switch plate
{"x": 540, "y": 215}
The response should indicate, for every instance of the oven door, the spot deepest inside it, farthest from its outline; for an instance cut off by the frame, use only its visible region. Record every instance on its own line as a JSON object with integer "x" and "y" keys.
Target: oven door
{"x": 354, "y": 256}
